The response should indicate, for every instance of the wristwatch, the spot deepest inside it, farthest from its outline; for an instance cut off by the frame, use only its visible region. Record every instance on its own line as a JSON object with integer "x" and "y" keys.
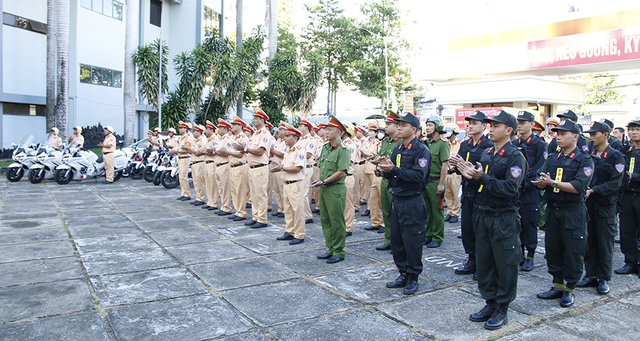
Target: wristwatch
{"x": 554, "y": 184}
{"x": 245, "y": 149}
{"x": 324, "y": 184}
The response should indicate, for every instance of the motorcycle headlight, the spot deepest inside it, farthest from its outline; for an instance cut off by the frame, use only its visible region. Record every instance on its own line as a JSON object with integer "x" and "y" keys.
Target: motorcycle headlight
{"x": 40, "y": 157}
{"x": 19, "y": 157}
{"x": 66, "y": 157}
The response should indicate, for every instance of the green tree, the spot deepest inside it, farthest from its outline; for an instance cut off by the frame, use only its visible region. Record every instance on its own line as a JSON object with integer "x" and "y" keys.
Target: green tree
{"x": 600, "y": 89}
{"x": 146, "y": 60}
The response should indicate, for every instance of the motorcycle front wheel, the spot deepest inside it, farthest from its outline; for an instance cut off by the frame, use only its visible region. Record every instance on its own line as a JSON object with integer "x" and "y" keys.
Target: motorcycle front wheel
{"x": 169, "y": 181}
{"x": 63, "y": 176}
{"x": 156, "y": 178}
{"x": 135, "y": 173}
{"x": 36, "y": 176}
{"x": 117, "y": 176}
{"x": 14, "y": 174}
{"x": 148, "y": 173}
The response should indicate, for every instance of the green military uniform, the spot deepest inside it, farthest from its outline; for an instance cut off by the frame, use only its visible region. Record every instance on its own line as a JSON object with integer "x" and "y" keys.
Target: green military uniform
{"x": 386, "y": 148}
{"x": 333, "y": 158}
{"x": 435, "y": 215}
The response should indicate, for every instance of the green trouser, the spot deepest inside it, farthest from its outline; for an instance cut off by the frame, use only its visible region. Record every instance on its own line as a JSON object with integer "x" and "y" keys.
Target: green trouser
{"x": 334, "y": 228}
{"x": 385, "y": 203}
{"x": 435, "y": 215}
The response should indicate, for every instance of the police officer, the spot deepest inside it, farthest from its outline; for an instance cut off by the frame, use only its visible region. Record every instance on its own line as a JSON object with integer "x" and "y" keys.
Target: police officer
{"x": 434, "y": 190}
{"x": 55, "y": 141}
{"x": 500, "y": 173}
{"x": 602, "y": 197}
{"x": 565, "y": 177}
{"x": 388, "y": 144}
{"x": 198, "y": 167}
{"x": 182, "y": 149}
{"x": 108, "y": 149}
{"x": 535, "y": 150}
{"x": 210, "y": 167}
{"x": 582, "y": 143}
{"x": 223, "y": 169}
{"x": 630, "y": 209}
{"x": 407, "y": 171}
{"x": 470, "y": 151}
{"x": 334, "y": 162}
{"x": 76, "y": 140}
{"x": 238, "y": 170}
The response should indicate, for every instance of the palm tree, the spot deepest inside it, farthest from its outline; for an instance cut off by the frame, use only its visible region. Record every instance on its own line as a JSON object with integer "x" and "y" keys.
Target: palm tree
{"x": 62, "y": 101}
{"x": 239, "y": 45}
{"x": 272, "y": 24}
{"x": 129, "y": 91}
{"x": 51, "y": 64}
{"x": 146, "y": 61}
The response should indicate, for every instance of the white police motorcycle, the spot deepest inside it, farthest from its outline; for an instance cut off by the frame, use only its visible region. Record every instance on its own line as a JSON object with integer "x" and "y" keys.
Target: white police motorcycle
{"x": 47, "y": 160}
{"x": 23, "y": 157}
{"x": 85, "y": 164}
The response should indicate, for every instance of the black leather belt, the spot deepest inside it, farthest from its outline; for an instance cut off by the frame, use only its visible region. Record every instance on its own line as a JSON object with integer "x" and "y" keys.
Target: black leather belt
{"x": 257, "y": 166}
{"x": 196, "y": 162}
{"x": 349, "y": 174}
{"x": 208, "y": 162}
{"x": 361, "y": 162}
{"x": 286, "y": 182}
{"x": 222, "y": 163}
{"x": 308, "y": 166}
{"x": 105, "y": 153}
{"x": 182, "y": 157}
{"x": 237, "y": 164}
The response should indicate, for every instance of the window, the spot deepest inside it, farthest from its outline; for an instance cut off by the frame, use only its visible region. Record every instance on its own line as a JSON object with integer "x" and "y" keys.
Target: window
{"x": 156, "y": 13}
{"x": 110, "y": 8}
{"x": 24, "y": 23}
{"x": 100, "y": 76}
{"x": 211, "y": 20}
{"x": 23, "y": 109}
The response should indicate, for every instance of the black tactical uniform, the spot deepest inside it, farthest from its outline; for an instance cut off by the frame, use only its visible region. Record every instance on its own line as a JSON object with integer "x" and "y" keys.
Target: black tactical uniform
{"x": 566, "y": 219}
{"x": 470, "y": 152}
{"x": 630, "y": 211}
{"x": 408, "y": 211}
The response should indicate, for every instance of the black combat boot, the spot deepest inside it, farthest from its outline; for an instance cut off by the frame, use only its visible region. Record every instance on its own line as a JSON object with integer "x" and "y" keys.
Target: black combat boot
{"x": 468, "y": 267}
{"x": 412, "y": 285}
{"x": 400, "y": 282}
{"x": 484, "y": 313}
{"x": 499, "y": 317}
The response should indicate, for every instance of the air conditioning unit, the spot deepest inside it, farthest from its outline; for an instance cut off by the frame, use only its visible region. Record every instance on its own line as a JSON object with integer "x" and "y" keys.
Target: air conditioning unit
{"x": 179, "y": 2}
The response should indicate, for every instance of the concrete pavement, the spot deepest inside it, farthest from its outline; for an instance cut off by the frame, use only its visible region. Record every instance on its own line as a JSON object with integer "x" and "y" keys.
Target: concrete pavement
{"x": 127, "y": 261}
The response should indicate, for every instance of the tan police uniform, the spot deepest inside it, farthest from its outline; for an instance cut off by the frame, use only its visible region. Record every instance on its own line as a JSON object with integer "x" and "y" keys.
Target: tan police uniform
{"x": 293, "y": 197}
{"x": 210, "y": 172}
{"x": 308, "y": 143}
{"x": 238, "y": 177}
{"x": 259, "y": 174}
{"x": 185, "y": 140}
{"x": 357, "y": 162}
{"x": 271, "y": 182}
{"x": 278, "y": 183}
{"x": 350, "y": 182}
{"x": 198, "y": 169}
{"x": 222, "y": 171}
{"x": 452, "y": 185}
{"x": 108, "y": 155}
{"x": 365, "y": 182}
{"x": 373, "y": 204}
{"x": 77, "y": 141}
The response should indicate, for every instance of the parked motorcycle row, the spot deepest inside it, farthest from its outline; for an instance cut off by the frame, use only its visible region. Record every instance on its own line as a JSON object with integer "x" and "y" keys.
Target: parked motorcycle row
{"x": 40, "y": 162}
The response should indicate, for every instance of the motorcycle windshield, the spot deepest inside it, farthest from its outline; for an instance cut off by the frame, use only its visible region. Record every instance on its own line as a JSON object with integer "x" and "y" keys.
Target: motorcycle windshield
{"x": 26, "y": 141}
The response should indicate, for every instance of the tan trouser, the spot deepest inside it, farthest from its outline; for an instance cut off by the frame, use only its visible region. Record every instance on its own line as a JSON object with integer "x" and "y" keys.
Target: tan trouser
{"x": 365, "y": 185}
{"x": 356, "y": 186}
{"x": 224, "y": 187}
{"x": 212, "y": 187}
{"x": 349, "y": 213}
{"x": 108, "y": 161}
{"x": 315, "y": 191}
{"x": 293, "y": 209}
{"x": 308, "y": 173}
{"x": 238, "y": 177}
{"x": 183, "y": 170}
{"x": 258, "y": 182}
{"x": 451, "y": 190}
{"x": 199, "y": 173}
{"x": 270, "y": 191}
{"x": 374, "y": 204}
{"x": 278, "y": 183}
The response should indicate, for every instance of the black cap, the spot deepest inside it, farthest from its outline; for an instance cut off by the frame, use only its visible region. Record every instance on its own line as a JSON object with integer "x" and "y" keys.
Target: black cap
{"x": 477, "y": 116}
{"x": 411, "y": 119}
{"x": 570, "y": 115}
{"x": 634, "y": 123}
{"x": 607, "y": 122}
{"x": 525, "y": 116}
{"x": 567, "y": 126}
{"x": 598, "y": 127}
{"x": 504, "y": 117}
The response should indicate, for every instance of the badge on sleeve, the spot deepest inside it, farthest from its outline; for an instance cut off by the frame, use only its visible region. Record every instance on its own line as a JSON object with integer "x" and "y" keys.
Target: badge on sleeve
{"x": 264, "y": 140}
{"x": 351, "y": 150}
{"x": 620, "y": 167}
{"x": 311, "y": 146}
{"x": 545, "y": 154}
{"x": 301, "y": 157}
{"x": 516, "y": 172}
{"x": 587, "y": 171}
{"x": 423, "y": 162}
{"x": 585, "y": 148}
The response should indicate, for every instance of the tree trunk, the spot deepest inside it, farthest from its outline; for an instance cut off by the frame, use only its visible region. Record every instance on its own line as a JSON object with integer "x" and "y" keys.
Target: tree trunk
{"x": 129, "y": 84}
{"x": 51, "y": 64}
{"x": 239, "y": 47}
{"x": 62, "y": 101}
{"x": 272, "y": 17}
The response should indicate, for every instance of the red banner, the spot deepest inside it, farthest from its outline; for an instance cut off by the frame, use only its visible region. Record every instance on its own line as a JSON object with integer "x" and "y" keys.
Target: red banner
{"x": 581, "y": 49}
{"x": 461, "y": 114}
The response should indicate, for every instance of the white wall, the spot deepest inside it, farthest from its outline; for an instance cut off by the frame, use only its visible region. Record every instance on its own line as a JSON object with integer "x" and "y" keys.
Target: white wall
{"x": 30, "y": 9}
{"x": 24, "y": 62}
{"x": 13, "y": 129}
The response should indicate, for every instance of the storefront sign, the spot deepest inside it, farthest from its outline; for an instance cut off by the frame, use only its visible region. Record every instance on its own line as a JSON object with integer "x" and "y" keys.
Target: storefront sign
{"x": 461, "y": 114}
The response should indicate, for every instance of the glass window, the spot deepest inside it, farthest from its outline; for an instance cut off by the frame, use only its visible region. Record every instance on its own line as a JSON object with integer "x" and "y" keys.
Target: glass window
{"x": 156, "y": 13}
{"x": 117, "y": 79}
{"x": 117, "y": 10}
{"x": 106, "y": 77}
{"x": 85, "y": 73}
{"x": 96, "y": 75}
{"x": 86, "y": 4}
{"x": 96, "y": 6}
{"x": 107, "y": 8}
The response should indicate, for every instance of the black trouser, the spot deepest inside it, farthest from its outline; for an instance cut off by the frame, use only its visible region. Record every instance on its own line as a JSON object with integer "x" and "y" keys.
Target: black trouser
{"x": 497, "y": 254}
{"x": 407, "y": 218}
{"x": 601, "y": 229}
{"x": 530, "y": 216}
{"x": 565, "y": 242}
{"x": 629, "y": 227}
{"x": 466, "y": 225}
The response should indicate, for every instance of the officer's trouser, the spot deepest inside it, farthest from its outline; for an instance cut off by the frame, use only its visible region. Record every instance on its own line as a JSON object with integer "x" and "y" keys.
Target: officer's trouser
{"x": 258, "y": 181}
{"x": 630, "y": 227}
{"x": 293, "y": 201}
{"x": 270, "y": 184}
{"x": 565, "y": 243}
{"x": 373, "y": 204}
{"x": 183, "y": 176}
{"x": 365, "y": 186}
{"x": 466, "y": 225}
{"x": 198, "y": 173}
{"x": 451, "y": 191}
{"x": 356, "y": 188}
{"x": 308, "y": 173}
{"x": 385, "y": 202}
{"x": 530, "y": 215}
{"x": 278, "y": 184}
{"x": 332, "y": 204}
{"x": 407, "y": 217}
{"x": 497, "y": 254}
{"x": 109, "y": 160}
{"x": 238, "y": 177}
{"x": 212, "y": 186}
{"x": 315, "y": 191}
{"x": 224, "y": 187}
{"x": 435, "y": 218}
{"x": 349, "y": 213}
{"x": 601, "y": 231}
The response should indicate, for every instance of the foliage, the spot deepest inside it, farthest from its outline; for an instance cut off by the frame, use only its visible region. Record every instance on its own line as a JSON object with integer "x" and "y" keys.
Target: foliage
{"x": 211, "y": 109}
{"x": 173, "y": 110}
{"x": 599, "y": 91}
{"x": 268, "y": 103}
{"x": 146, "y": 61}
{"x": 94, "y": 135}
